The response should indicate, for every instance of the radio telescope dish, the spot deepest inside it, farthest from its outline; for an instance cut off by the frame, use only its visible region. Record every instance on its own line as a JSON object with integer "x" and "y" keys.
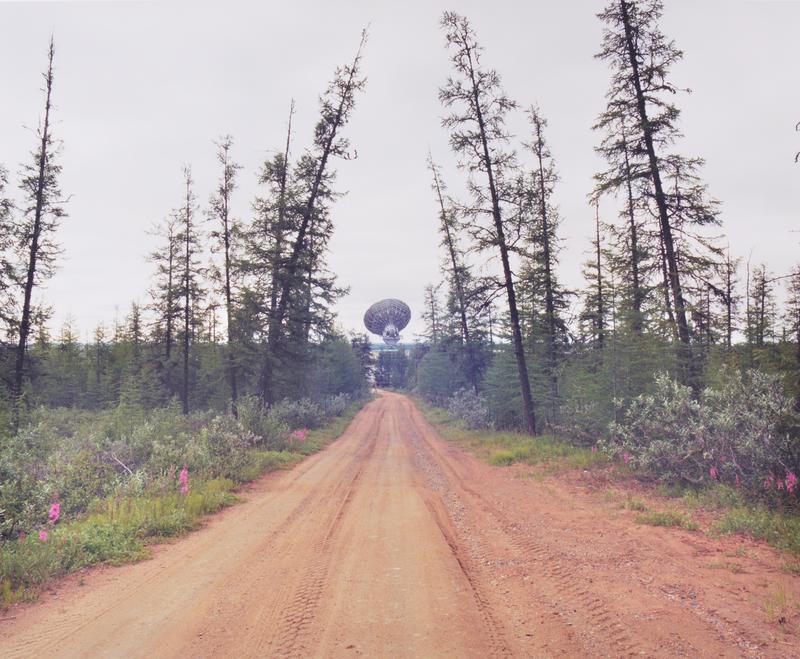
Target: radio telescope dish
{"x": 387, "y": 318}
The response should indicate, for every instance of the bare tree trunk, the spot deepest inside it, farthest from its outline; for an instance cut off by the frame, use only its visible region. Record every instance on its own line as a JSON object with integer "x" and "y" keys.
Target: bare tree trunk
{"x": 33, "y": 253}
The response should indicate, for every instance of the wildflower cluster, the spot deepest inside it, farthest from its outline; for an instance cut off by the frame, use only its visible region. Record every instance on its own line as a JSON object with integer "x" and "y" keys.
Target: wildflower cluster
{"x": 52, "y": 517}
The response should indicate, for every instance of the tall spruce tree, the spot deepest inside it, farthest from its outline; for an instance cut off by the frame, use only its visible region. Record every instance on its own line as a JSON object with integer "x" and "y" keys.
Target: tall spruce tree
{"x": 307, "y": 243}
{"x": 792, "y": 321}
{"x": 456, "y": 268}
{"x": 165, "y": 298}
{"x": 7, "y": 270}
{"x": 595, "y": 304}
{"x": 190, "y": 277}
{"x": 36, "y": 228}
{"x": 225, "y": 235}
{"x": 478, "y": 135}
{"x": 541, "y": 251}
{"x": 641, "y": 57}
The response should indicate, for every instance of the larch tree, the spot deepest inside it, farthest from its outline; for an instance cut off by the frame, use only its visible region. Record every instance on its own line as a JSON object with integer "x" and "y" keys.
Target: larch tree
{"x": 541, "y": 255}
{"x": 164, "y": 294}
{"x": 35, "y": 230}
{"x": 631, "y": 246}
{"x": 190, "y": 277}
{"x": 266, "y": 242}
{"x": 314, "y": 176}
{"x": 478, "y": 135}
{"x": 224, "y": 236}
{"x": 456, "y": 268}
{"x": 432, "y": 314}
{"x": 761, "y": 308}
{"x": 641, "y": 56}
{"x": 7, "y": 270}
{"x": 595, "y": 306}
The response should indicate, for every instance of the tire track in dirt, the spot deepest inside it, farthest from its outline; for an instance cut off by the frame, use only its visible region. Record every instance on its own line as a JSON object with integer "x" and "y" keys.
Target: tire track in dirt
{"x": 295, "y": 620}
{"x": 571, "y": 605}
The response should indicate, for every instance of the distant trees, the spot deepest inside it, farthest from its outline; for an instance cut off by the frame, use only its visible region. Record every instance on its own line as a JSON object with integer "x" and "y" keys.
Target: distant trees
{"x": 478, "y": 107}
{"x": 34, "y": 231}
{"x": 257, "y": 320}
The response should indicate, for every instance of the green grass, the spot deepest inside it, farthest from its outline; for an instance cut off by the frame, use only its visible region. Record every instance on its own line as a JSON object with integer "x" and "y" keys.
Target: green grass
{"x": 667, "y": 518}
{"x": 758, "y": 522}
{"x": 118, "y": 530}
{"x": 713, "y": 497}
{"x": 502, "y": 448}
{"x": 636, "y": 504}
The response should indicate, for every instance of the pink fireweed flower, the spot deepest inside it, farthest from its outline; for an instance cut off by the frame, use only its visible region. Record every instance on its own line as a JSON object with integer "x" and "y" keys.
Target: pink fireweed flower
{"x": 738, "y": 481}
{"x": 183, "y": 477}
{"x": 594, "y": 449}
{"x": 713, "y": 473}
{"x": 43, "y": 535}
{"x": 791, "y": 481}
{"x": 626, "y": 457}
{"x": 55, "y": 512}
{"x": 768, "y": 482}
{"x": 779, "y": 484}
{"x": 299, "y": 435}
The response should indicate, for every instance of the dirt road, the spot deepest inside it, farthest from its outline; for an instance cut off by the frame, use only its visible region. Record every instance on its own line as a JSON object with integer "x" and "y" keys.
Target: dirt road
{"x": 393, "y": 543}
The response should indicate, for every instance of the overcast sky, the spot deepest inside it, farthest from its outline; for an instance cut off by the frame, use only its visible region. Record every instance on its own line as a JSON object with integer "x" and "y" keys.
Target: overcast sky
{"x": 143, "y": 87}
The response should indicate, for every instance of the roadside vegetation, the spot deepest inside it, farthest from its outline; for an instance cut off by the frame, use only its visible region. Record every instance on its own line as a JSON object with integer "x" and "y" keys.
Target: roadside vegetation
{"x": 760, "y": 512}
{"x": 99, "y": 487}
{"x": 675, "y": 365}
{"x": 229, "y": 365}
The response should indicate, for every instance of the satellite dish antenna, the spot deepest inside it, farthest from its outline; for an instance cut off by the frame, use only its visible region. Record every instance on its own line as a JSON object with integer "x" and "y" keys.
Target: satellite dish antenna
{"x": 387, "y": 318}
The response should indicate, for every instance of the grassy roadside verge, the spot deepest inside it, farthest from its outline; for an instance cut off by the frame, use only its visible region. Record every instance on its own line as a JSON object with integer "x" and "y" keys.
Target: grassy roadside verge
{"x": 501, "y": 448}
{"x": 724, "y": 510}
{"x": 118, "y": 530}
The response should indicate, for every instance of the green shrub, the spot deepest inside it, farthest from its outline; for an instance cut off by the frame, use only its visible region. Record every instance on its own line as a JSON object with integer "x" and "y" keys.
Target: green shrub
{"x": 731, "y": 433}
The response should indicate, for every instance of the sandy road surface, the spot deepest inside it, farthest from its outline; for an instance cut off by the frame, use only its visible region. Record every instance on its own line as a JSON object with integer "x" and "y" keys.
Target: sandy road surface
{"x": 393, "y": 543}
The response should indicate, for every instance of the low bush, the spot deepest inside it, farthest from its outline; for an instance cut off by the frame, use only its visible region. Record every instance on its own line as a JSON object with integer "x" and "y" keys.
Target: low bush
{"x": 731, "y": 434}
{"x": 471, "y": 408}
